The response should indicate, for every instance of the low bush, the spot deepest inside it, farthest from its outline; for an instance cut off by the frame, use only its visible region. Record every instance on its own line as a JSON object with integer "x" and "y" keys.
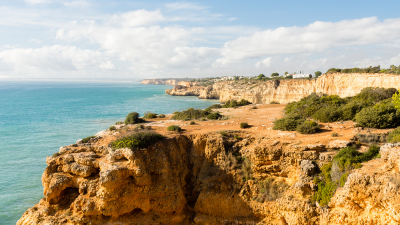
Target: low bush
{"x": 327, "y": 114}
{"x": 335, "y": 135}
{"x": 87, "y": 139}
{"x": 308, "y": 127}
{"x": 334, "y": 174}
{"x": 372, "y": 138}
{"x": 119, "y": 123}
{"x": 133, "y": 118}
{"x": 394, "y": 136}
{"x": 223, "y": 133}
{"x": 149, "y": 115}
{"x": 192, "y": 123}
{"x": 174, "y": 128}
{"x": 215, "y": 106}
{"x": 274, "y": 102}
{"x": 161, "y": 115}
{"x": 237, "y": 137}
{"x": 112, "y": 128}
{"x": 191, "y": 114}
{"x": 137, "y": 140}
{"x": 381, "y": 115}
{"x": 244, "y": 125}
{"x": 254, "y": 107}
{"x": 373, "y": 95}
{"x": 349, "y": 111}
{"x": 307, "y": 106}
{"x": 214, "y": 116}
{"x": 234, "y": 103}
{"x": 288, "y": 123}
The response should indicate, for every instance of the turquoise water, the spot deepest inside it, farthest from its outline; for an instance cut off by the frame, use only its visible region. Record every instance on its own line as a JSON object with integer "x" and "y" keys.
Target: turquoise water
{"x": 37, "y": 118}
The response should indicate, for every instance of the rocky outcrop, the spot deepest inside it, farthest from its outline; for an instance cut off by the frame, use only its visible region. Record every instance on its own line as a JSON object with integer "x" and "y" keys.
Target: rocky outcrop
{"x": 371, "y": 195}
{"x": 285, "y": 91}
{"x": 193, "y": 179}
{"x": 165, "y": 82}
{"x": 211, "y": 179}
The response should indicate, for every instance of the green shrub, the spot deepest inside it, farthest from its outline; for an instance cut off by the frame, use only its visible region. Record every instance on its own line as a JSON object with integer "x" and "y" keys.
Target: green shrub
{"x": 349, "y": 158}
{"x": 215, "y": 106}
{"x": 237, "y": 137}
{"x": 254, "y": 107}
{"x": 234, "y": 103}
{"x": 381, "y": 115}
{"x": 174, "y": 128}
{"x": 349, "y": 110}
{"x": 274, "y": 102}
{"x": 308, "y": 127}
{"x": 394, "y": 136}
{"x": 373, "y": 95}
{"x": 372, "y": 138}
{"x": 327, "y": 114}
{"x": 133, "y": 118}
{"x": 87, "y": 139}
{"x": 161, "y": 115}
{"x": 288, "y": 123}
{"x": 307, "y": 106}
{"x": 244, "y": 125}
{"x": 223, "y": 133}
{"x": 214, "y": 116}
{"x": 192, "y": 123}
{"x": 119, "y": 123}
{"x": 190, "y": 114}
{"x": 334, "y": 134}
{"x": 346, "y": 160}
{"x": 149, "y": 115}
{"x": 137, "y": 140}
{"x": 112, "y": 128}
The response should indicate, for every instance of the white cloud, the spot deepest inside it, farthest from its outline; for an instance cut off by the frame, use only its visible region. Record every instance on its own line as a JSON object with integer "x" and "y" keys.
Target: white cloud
{"x": 264, "y": 63}
{"x": 56, "y": 58}
{"x": 315, "y": 37}
{"x": 136, "y": 18}
{"x": 38, "y": 1}
{"x": 76, "y": 3}
{"x": 184, "y": 6}
{"x": 134, "y": 37}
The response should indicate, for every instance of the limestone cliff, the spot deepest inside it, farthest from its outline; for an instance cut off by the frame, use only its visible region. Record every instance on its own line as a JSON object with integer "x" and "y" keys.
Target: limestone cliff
{"x": 204, "y": 176}
{"x": 165, "y": 82}
{"x": 285, "y": 91}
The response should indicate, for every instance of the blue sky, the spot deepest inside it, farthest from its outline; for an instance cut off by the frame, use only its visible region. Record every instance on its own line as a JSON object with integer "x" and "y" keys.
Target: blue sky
{"x": 131, "y": 40}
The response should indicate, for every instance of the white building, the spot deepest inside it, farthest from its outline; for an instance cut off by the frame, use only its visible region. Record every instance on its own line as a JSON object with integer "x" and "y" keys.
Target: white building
{"x": 302, "y": 75}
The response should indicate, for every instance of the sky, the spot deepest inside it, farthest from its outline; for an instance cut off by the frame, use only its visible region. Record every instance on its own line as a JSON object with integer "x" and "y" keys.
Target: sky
{"x": 88, "y": 40}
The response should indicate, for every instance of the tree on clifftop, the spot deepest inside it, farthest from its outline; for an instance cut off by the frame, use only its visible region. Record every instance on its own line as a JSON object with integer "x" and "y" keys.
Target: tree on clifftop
{"x": 260, "y": 76}
{"x": 318, "y": 73}
{"x": 275, "y": 74}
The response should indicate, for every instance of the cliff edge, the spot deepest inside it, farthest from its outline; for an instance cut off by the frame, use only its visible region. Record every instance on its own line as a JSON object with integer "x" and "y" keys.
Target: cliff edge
{"x": 286, "y": 91}
{"x": 213, "y": 172}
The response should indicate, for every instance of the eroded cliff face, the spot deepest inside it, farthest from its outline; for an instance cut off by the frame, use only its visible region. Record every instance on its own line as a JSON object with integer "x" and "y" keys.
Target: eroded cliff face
{"x": 285, "y": 91}
{"x": 180, "y": 180}
{"x": 252, "y": 176}
{"x": 164, "y": 82}
{"x": 371, "y": 194}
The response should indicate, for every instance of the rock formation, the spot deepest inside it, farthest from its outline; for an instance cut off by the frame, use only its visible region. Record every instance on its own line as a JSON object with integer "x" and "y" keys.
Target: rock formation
{"x": 193, "y": 179}
{"x": 285, "y": 91}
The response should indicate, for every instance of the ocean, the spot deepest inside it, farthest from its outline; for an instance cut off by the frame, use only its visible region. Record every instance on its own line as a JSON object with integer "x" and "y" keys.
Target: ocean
{"x": 36, "y": 118}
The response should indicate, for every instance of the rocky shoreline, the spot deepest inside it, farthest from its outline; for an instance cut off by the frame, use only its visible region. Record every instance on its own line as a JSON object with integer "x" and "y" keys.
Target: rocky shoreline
{"x": 191, "y": 178}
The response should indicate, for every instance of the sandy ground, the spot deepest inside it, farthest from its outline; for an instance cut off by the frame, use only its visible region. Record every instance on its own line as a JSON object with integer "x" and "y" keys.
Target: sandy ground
{"x": 261, "y": 121}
